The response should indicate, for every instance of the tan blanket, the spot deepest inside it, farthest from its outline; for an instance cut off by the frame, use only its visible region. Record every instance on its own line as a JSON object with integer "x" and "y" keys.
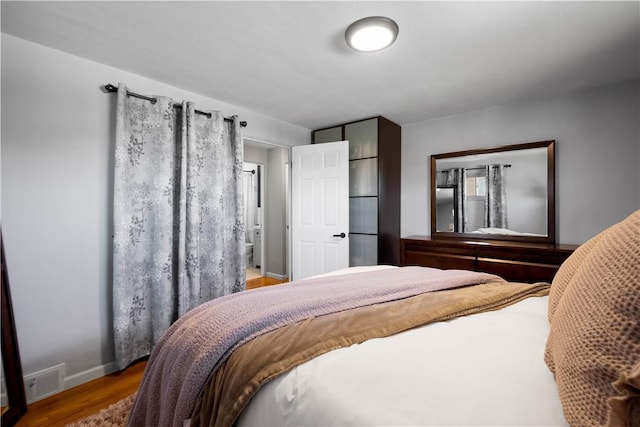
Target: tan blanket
{"x": 191, "y": 351}
{"x": 263, "y": 358}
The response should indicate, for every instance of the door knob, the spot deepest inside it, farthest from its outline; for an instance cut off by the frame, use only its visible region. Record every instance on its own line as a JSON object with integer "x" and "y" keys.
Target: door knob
{"x": 340, "y": 235}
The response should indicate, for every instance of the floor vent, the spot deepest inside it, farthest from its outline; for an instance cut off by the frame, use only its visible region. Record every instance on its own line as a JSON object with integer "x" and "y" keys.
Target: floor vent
{"x": 44, "y": 383}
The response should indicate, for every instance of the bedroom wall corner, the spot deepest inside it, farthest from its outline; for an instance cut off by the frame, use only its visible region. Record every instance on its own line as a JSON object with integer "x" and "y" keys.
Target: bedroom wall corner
{"x": 56, "y": 176}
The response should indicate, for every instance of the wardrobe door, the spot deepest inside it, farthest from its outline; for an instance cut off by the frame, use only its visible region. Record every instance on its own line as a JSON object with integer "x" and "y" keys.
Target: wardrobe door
{"x": 363, "y": 191}
{"x": 363, "y": 177}
{"x": 363, "y": 139}
{"x": 363, "y": 249}
{"x": 327, "y": 135}
{"x": 363, "y": 215}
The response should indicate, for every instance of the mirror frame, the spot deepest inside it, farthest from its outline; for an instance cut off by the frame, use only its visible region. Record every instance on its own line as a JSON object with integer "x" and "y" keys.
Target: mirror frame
{"x": 551, "y": 213}
{"x": 17, "y": 405}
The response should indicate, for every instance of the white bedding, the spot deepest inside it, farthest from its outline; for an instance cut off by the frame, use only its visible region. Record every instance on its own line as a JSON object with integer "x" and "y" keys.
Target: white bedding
{"x": 504, "y": 231}
{"x": 485, "y": 369}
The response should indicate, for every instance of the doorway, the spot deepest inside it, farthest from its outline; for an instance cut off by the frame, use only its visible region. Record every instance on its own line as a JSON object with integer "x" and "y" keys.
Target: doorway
{"x": 266, "y": 219}
{"x": 320, "y": 209}
{"x": 253, "y": 186}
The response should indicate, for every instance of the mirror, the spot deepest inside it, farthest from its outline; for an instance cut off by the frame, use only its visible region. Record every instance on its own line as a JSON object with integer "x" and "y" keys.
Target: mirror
{"x": 12, "y": 369}
{"x": 499, "y": 193}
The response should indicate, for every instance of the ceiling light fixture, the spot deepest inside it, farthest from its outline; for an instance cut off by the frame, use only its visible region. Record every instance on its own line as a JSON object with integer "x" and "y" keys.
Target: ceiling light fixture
{"x": 371, "y": 34}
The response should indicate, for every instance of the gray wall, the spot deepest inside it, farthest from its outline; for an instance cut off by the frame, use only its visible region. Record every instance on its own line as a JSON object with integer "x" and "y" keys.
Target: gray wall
{"x": 255, "y": 154}
{"x": 597, "y": 135}
{"x": 57, "y": 146}
{"x": 274, "y": 231}
{"x": 275, "y": 218}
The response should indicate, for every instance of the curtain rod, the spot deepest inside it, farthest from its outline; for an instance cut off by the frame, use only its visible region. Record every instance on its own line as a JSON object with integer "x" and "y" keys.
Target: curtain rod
{"x": 469, "y": 169}
{"x": 109, "y": 88}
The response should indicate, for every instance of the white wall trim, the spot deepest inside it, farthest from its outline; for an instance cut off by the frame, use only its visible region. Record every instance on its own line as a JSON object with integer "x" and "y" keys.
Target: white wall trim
{"x": 276, "y": 276}
{"x": 89, "y": 375}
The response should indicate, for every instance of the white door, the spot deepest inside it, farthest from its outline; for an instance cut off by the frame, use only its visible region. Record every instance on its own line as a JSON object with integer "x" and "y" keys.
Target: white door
{"x": 320, "y": 208}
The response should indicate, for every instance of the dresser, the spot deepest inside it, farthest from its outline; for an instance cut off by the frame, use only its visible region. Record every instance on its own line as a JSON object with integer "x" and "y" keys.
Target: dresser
{"x": 514, "y": 261}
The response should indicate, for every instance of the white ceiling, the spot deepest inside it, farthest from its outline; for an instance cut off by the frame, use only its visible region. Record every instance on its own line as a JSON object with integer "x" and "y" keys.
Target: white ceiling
{"x": 289, "y": 60}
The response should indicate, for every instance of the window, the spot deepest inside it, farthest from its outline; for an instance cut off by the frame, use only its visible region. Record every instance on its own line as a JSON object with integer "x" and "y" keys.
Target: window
{"x": 476, "y": 186}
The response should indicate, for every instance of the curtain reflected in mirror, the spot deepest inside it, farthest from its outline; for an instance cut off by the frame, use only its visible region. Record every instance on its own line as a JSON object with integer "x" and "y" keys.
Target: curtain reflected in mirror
{"x": 471, "y": 199}
{"x": 495, "y": 193}
{"x": 495, "y": 204}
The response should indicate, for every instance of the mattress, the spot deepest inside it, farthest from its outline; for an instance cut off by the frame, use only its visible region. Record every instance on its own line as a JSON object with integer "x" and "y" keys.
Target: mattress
{"x": 485, "y": 369}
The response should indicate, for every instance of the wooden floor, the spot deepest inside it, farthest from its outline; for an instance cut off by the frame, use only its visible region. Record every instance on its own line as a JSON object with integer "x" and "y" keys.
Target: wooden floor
{"x": 87, "y": 399}
{"x": 263, "y": 281}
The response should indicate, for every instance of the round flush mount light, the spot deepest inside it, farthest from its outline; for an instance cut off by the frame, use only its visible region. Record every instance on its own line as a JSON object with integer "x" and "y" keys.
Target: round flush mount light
{"x": 371, "y": 34}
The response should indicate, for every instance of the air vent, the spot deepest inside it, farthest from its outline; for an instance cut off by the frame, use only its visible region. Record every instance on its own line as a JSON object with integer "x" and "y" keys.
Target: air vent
{"x": 44, "y": 383}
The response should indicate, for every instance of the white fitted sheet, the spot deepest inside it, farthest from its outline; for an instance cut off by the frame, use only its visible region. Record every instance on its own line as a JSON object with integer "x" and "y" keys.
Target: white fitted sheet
{"x": 481, "y": 370}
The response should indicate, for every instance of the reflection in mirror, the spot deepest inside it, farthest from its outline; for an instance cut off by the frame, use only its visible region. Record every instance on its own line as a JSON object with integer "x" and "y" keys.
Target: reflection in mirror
{"x": 16, "y": 404}
{"x": 446, "y": 205}
{"x": 497, "y": 193}
{"x": 4, "y": 401}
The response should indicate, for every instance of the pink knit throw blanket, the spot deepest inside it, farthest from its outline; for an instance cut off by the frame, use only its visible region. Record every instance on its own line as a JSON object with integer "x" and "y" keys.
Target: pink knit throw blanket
{"x": 201, "y": 340}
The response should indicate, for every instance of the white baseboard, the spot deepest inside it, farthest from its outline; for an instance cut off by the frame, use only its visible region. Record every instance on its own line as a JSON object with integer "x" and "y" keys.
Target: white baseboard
{"x": 276, "y": 276}
{"x": 89, "y": 375}
{"x": 65, "y": 382}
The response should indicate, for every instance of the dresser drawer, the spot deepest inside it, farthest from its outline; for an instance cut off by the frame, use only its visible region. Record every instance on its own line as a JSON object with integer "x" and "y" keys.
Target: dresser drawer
{"x": 518, "y": 271}
{"x": 440, "y": 260}
{"x": 442, "y": 255}
{"x": 516, "y": 262}
{"x": 524, "y": 255}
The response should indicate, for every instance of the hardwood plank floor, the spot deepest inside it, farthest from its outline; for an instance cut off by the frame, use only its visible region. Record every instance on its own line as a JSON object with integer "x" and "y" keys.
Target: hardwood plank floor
{"x": 87, "y": 399}
{"x": 263, "y": 281}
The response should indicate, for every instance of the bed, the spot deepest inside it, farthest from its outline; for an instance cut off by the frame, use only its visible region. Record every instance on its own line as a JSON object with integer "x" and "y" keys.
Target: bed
{"x": 409, "y": 351}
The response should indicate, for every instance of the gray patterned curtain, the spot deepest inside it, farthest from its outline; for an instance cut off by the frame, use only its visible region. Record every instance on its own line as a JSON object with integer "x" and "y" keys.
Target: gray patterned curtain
{"x": 495, "y": 212}
{"x": 178, "y": 217}
{"x": 456, "y": 177}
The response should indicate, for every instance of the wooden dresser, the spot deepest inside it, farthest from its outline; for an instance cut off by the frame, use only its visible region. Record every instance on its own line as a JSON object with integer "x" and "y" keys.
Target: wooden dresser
{"x": 514, "y": 261}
